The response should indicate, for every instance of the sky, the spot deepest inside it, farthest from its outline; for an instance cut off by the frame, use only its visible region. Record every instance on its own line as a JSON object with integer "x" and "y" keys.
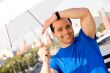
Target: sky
{"x": 9, "y": 9}
{"x": 93, "y": 5}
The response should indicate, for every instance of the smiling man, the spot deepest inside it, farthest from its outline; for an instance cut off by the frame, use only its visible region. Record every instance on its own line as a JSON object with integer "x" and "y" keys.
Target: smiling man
{"x": 79, "y": 54}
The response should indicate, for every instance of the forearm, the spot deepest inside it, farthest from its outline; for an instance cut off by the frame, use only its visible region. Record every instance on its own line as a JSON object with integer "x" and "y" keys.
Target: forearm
{"x": 74, "y": 13}
{"x": 45, "y": 68}
{"x": 86, "y": 19}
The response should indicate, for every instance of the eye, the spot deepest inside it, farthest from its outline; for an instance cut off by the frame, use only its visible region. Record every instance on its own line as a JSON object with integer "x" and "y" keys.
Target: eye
{"x": 68, "y": 26}
{"x": 60, "y": 29}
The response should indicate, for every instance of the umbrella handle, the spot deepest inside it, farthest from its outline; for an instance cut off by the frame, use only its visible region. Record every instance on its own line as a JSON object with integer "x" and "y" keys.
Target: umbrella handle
{"x": 42, "y": 42}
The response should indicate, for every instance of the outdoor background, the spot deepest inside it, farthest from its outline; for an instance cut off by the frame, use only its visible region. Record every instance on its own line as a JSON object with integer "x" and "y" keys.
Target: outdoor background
{"x": 20, "y": 29}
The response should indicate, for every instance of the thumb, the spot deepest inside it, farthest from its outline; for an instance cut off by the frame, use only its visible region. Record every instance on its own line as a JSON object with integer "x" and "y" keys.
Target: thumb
{"x": 41, "y": 44}
{"x": 43, "y": 30}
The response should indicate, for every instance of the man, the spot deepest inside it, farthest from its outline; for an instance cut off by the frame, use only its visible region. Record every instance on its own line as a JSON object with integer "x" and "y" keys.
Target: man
{"x": 77, "y": 54}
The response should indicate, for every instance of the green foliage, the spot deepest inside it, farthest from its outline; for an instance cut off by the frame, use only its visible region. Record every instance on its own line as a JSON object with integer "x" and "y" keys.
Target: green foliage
{"x": 100, "y": 28}
{"x": 20, "y": 63}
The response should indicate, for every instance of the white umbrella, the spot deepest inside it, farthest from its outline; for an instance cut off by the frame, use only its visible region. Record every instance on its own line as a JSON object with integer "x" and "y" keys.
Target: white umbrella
{"x": 45, "y": 9}
{"x": 1, "y": 1}
{"x": 3, "y": 38}
{"x": 9, "y": 9}
{"x": 27, "y": 21}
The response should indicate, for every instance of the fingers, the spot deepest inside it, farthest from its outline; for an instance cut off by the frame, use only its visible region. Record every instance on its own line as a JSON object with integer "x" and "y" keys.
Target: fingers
{"x": 44, "y": 53}
{"x": 41, "y": 44}
{"x": 43, "y": 30}
{"x": 45, "y": 26}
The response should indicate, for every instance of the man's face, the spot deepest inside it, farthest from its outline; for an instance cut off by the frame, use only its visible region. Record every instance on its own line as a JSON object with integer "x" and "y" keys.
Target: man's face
{"x": 63, "y": 31}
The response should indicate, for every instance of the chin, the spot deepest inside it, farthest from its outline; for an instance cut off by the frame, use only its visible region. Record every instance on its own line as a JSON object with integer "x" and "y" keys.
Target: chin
{"x": 68, "y": 41}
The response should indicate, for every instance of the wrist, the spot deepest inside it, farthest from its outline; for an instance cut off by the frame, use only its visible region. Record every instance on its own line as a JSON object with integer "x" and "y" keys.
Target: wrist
{"x": 46, "y": 63}
{"x": 46, "y": 60}
{"x": 57, "y": 15}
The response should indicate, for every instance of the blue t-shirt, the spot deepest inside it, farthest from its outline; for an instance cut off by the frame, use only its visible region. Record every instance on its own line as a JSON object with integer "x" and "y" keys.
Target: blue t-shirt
{"x": 82, "y": 56}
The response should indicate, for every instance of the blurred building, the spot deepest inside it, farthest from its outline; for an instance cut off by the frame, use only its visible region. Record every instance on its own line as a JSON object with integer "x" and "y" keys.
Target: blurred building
{"x": 99, "y": 19}
{"x": 24, "y": 48}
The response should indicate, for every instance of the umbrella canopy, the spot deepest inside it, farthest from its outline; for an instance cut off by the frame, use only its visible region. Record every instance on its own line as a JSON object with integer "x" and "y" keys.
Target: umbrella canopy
{"x": 20, "y": 26}
{"x": 9, "y": 9}
{"x": 27, "y": 22}
{"x": 3, "y": 38}
{"x": 1, "y": 1}
{"x": 45, "y": 9}
{"x": 35, "y": 16}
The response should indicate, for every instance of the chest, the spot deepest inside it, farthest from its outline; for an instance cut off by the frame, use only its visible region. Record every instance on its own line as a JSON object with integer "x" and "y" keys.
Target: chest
{"x": 69, "y": 65}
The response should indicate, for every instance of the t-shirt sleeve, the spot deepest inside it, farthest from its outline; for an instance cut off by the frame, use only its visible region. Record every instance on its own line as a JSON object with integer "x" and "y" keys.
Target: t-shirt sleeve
{"x": 86, "y": 39}
{"x": 92, "y": 48}
{"x": 53, "y": 64}
{"x": 82, "y": 35}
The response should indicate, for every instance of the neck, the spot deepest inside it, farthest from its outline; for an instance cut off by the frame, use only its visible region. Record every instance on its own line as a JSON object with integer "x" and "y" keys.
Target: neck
{"x": 64, "y": 45}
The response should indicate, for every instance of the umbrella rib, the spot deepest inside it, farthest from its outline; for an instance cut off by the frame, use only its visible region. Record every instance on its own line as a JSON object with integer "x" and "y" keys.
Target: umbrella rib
{"x": 37, "y": 21}
{"x": 8, "y": 36}
{"x": 34, "y": 17}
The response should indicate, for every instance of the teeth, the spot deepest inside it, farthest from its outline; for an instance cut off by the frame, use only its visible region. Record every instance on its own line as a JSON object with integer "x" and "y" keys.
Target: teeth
{"x": 67, "y": 36}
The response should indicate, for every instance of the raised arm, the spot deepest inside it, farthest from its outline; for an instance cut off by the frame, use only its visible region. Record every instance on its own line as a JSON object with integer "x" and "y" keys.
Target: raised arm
{"x": 86, "y": 20}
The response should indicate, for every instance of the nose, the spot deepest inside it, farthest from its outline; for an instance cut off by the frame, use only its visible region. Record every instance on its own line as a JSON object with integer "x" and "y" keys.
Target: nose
{"x": 65, "y": 31}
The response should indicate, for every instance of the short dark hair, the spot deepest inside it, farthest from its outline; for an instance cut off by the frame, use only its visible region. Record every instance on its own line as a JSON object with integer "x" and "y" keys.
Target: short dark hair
{"x": 51, "y": 26}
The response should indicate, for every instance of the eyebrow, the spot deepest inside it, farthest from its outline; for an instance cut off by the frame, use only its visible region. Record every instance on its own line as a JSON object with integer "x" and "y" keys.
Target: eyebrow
{"x": 65, "y": 26}
{"x": 68, "y": 25}
{"x": 59, "y": 28}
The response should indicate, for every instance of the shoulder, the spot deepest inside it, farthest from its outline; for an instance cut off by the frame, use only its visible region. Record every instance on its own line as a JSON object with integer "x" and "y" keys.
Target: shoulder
{"x": 82, "y": 35}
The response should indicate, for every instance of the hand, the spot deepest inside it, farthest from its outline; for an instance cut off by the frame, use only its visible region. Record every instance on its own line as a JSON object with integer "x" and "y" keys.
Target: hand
{"x": 44, "y": 53}
{"x": 48, "y": 22}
